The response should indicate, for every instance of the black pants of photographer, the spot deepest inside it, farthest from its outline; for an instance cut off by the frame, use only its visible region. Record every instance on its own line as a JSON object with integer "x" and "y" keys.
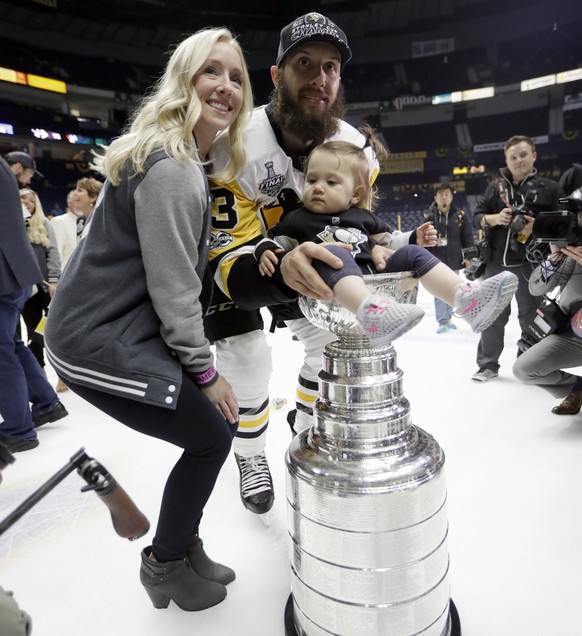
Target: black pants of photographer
{"x": 206, "y": 437}
{"x": 492, "y": 339}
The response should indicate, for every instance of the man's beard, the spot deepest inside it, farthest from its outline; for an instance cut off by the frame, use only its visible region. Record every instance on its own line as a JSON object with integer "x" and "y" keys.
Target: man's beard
{"x": 312, "y": 128}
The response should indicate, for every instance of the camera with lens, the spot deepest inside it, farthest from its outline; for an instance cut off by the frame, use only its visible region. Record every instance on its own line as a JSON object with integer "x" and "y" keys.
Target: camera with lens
{"x": 562, "y": 227}
{"x": 476, "y": 255}
{"x": 518, "y": 220}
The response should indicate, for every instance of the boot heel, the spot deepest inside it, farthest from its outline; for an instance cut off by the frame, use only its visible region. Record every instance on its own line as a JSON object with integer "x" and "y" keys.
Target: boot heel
{"x": 159, "y": 599}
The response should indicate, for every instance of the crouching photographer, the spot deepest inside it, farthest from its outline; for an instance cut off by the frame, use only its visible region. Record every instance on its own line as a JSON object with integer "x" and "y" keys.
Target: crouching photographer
{"x": 555, "y": 330}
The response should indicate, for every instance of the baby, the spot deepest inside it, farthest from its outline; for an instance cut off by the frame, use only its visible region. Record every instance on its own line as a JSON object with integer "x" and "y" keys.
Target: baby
{"x": 335, "y": 197}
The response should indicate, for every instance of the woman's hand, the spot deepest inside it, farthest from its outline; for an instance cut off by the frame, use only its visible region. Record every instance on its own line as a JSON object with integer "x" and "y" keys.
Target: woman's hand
{"x": 300, "y": 275}
{"x": 220, "y": 393}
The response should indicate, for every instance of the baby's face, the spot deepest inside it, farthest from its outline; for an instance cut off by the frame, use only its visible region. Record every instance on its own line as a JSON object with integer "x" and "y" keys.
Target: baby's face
{"x": 329, "y": 187}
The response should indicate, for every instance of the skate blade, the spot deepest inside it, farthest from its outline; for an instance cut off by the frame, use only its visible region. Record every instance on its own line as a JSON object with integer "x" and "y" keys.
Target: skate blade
{"x": 266, "y": 518}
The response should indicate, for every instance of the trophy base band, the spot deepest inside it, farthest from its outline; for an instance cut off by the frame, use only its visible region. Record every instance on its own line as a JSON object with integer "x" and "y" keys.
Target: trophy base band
{"x": 454, "y": 620}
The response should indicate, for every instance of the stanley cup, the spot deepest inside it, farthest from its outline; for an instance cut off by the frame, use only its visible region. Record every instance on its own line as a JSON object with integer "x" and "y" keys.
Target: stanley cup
{"x": 366, "y": 495}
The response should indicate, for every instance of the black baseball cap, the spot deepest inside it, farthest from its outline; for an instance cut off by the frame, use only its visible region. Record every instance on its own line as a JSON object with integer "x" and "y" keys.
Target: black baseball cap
{"x": 312, "y": 27}
{"x": 24, "y": 159}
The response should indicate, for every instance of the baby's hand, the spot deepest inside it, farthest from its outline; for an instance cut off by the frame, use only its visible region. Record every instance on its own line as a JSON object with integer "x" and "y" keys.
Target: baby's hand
{"x": 268, "y": 261}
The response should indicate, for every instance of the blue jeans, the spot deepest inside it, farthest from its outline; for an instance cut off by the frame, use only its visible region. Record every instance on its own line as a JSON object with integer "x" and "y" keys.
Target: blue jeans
{"x": 21, "y": 378}
{"x": 443, "y": 311}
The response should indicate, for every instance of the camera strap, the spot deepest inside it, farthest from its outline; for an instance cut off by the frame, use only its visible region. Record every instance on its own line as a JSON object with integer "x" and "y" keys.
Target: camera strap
{"x": 503, "y": 191}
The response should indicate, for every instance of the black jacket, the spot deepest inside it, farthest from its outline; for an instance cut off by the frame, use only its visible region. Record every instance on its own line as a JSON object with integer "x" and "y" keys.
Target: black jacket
{"x": 18, "y": 265}
{"x": 457, "y": 227}
{"x": 541, "y": 194}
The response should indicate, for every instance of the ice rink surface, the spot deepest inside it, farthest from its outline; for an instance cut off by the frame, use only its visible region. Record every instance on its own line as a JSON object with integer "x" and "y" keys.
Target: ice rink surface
{"x": 514, "y": 478}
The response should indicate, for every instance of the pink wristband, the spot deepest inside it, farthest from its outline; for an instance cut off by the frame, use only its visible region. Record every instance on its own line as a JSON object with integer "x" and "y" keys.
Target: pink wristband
{"x": 205, "y": 377}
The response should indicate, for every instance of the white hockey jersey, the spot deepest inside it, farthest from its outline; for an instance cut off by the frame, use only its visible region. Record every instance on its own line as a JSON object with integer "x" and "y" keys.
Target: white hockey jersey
{"x": 270, "y": 183}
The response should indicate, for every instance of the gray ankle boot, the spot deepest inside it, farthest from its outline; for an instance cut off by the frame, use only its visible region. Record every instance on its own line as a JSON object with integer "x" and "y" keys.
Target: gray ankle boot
{"x": 204, "y": 566}
{"x": 176, "y": 581}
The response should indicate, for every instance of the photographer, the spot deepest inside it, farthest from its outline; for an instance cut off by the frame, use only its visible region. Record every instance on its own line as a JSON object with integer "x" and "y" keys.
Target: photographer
{"x": 505, "y": 214}
{"x": 542, "y": 363}
{"x": 454, "y": 233}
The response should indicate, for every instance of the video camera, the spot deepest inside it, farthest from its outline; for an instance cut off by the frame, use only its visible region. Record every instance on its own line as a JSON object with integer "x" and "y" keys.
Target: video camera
{"x": 562, "y": 227}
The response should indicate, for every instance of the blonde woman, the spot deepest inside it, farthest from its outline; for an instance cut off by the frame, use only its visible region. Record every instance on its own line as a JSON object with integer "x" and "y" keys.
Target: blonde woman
{"x": 125, "y": 330}
{"x": 44, "y": 244}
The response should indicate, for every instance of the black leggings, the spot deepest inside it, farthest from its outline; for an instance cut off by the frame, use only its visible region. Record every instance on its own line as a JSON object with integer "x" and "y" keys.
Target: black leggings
{"x": 407, "y": 258}
{"x": 206, "y": 437}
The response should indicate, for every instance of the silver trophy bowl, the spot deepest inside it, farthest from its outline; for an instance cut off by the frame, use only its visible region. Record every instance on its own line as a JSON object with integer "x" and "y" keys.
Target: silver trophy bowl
{"x": 366, "y": 495}
{"x": 401, "y": 286}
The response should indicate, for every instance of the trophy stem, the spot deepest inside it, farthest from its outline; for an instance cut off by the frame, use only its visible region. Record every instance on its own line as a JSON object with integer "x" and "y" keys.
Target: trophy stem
{"x": 366, "y": 508}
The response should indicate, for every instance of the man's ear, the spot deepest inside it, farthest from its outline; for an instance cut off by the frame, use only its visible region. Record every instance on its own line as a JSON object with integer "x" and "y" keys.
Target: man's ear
{"x": 275, "y": 71}
{"x": 357, "y": 195}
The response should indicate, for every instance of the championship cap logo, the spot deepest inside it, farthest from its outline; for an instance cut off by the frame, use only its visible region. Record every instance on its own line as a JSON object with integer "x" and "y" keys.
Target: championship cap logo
{"x": 313, "y": 27}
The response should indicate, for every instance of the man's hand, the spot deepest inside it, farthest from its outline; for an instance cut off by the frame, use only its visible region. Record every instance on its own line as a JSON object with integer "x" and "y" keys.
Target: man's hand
{"x": 574, "y": 251}
{"x": 528, "y": 227}
{"x": 501, "y": 218}
{"x": 222, "y": 396}
{"x": 426, "y": 235}
{"x": 299, "y": 274}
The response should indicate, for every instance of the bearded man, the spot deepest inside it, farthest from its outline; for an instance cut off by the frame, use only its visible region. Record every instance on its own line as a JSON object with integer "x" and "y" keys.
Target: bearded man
{"x": 304, "y": 110}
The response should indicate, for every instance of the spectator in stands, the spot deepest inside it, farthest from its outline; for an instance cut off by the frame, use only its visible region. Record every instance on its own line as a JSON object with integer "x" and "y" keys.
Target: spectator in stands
{"x": 23, "y": 166}
{"x": 44, "y": 243}
{"x": 56, "y": 211}
{"x": 454, "y": 233}
{"x": 509, "y": 234}
{"x": 543, "y": 362}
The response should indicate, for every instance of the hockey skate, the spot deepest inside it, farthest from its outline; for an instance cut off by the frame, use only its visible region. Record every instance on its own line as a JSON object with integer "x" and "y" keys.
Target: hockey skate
{"x": 256, "y": 485}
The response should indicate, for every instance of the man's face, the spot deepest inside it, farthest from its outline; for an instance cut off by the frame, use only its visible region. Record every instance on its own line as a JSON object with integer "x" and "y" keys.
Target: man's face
{"x": 443, "y": 199}
{"x": 23, "y": 175}
{"x": 312, "y": 76}
{"x": 520, "y": 160}
{"x": 308, "y": 97}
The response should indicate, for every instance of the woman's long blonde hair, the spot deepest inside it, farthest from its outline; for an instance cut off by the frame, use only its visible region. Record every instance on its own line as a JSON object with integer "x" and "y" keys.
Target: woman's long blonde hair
{"x": 35, "y": 227}
{"x": 167, "y": 115}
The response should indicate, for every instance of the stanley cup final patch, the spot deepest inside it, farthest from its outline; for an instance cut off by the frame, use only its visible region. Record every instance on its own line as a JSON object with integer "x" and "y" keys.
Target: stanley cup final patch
{"x": 272, "y": 184}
